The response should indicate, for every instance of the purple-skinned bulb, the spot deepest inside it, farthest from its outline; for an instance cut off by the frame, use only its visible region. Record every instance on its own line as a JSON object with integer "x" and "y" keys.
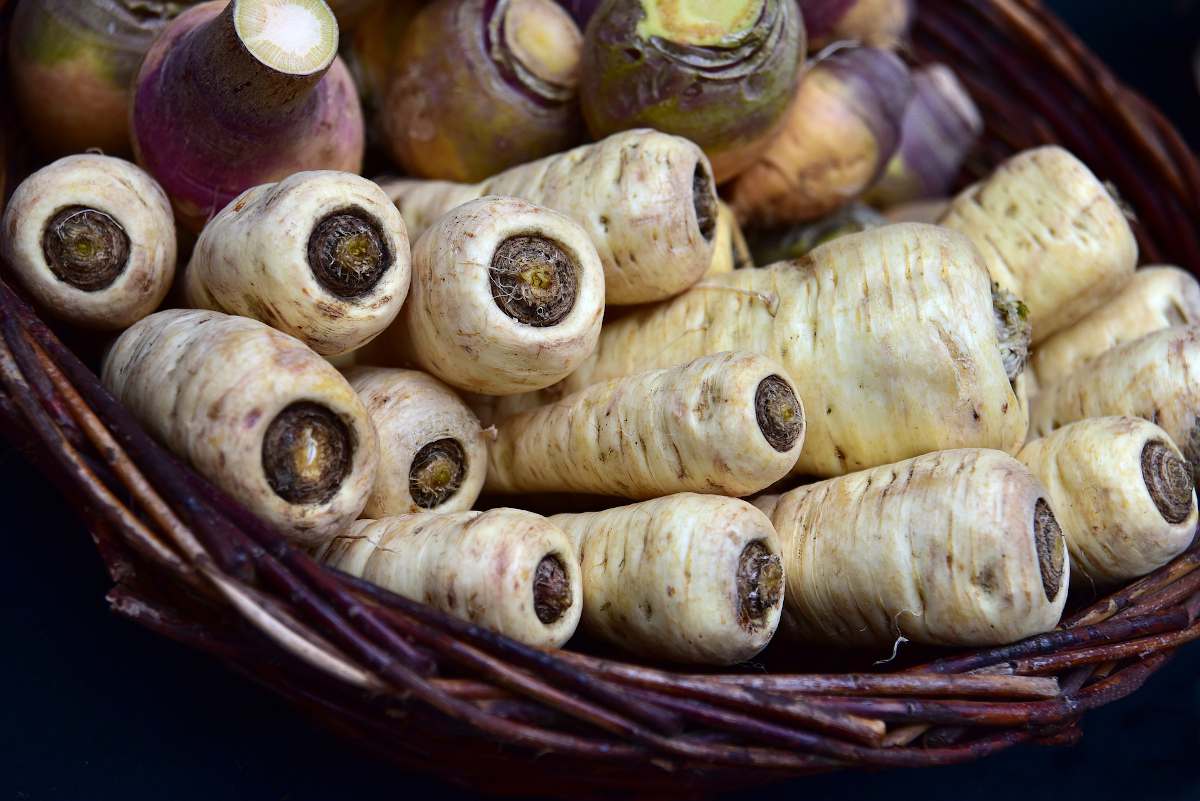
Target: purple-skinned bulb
{"x": 234, "y": 95}
{"x": 840, "y": 132}
{"x": 941, "y": 125}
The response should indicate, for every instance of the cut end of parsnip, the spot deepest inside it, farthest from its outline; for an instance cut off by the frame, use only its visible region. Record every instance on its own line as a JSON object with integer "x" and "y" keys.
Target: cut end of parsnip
{"x": 437, "y": 473}
{"x": 704, "y": 200}
{"x": 348, "y": 253}
{"x": 759, "y": 584}
{"x": 551, "y": 589}
{"x": 1051, "y": 548}
{"x": 85, "y": 247}
{"x": 307, "y": 453}
{"x": 295, "y": 37}
{"x": 1168, "y": 480}
{"x": 534, "y": 280}
{"x": 780, "y": 415}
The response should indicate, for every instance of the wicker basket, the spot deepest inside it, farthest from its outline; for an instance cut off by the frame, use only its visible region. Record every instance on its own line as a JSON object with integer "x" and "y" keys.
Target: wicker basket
{"x": 437, "y": 694}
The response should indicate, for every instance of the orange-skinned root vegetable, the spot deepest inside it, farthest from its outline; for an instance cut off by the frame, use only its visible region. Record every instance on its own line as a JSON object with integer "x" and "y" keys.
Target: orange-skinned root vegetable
{"x": 350, "y": 12}
{"x": 432, "y": 453}
{"x": 941, "y": 125}
{"x": 771, "y": 245}
{"x": 371, "y": 53}
{"x": 72, "y": 64}
{"x": 720, "y": 73}
{"x": 1122, "y": 493}
{"x": 890, "y": 338}
{"x": 1153, "y": 299}
{"x": 236, "y": 95}
{"x": 1050, "y": 233}
{"x": 481, "y": 86}
{"x": 950, "y": 548}
{"x": 730, "y": 251}
{"x": 729, "y": 424}
{"x": 253, "y": 410}
{"x": 506, "y": 297}
{"x": 92, "y": 239}
{"x": 505, "y": 569}
{"x": 321, "y": 255}
{"x": 836, "y": 139}
{"x": 878, "y": 23}
{"x": 687, "y": 578}
{"x": 1155, "y": 377}
{"x": 645, "y": 198}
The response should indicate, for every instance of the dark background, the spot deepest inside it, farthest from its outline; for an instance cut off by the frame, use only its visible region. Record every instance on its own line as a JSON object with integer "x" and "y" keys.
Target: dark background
{"x": 94, "y": 708}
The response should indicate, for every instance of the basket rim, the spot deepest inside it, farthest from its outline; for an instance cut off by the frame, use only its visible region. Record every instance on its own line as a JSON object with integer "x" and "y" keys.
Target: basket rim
{"x": 359, "y": 654}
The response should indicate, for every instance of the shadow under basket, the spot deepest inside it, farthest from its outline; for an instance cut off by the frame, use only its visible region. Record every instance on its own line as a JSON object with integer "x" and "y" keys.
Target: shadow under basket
{"x": 439, "y": 695}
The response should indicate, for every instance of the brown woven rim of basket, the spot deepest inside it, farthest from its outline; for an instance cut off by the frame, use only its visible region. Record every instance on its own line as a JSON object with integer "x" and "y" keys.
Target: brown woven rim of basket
{"x": 438, "y": 694}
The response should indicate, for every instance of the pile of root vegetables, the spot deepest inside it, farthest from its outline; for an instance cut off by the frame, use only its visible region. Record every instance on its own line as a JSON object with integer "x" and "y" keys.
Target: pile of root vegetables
{"x": 690, "y": 272}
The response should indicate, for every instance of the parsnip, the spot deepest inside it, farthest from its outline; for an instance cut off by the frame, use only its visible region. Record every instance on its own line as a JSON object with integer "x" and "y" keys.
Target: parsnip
{"x": 253, "y": 410}
{"x": 1122, "y": 493}
{"x": 1153, "y": 299}
{"x": 506, "y": 297}
{"x": 432, "y": 454}
{"x": 686, "y": 578}
{"x": 889, "y": 337}
{"x": 320, "y": 255}
{"x": 92, "y": 239}
{"x": 728, "y": 423}
{"x": 730, "y": 251}
{"x": 1049, "y": 232}
{"x": 1155, "y": 377}
{"x": 950, "y": 548}
{"x": 645, "y": 198}
{"x": 504, "y": 569}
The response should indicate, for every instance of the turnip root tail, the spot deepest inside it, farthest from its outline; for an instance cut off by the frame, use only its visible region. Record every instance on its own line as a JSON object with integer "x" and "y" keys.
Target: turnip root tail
{"x": 348, "y": 253}
{"x": 534, "y": 280}
{"x": 1169, "y": 481}
{"x": 85, "y": 247}
{"x": 1048, "y": 537}
{"x": 780, "y": 416}
{"x": 306, "y": 453}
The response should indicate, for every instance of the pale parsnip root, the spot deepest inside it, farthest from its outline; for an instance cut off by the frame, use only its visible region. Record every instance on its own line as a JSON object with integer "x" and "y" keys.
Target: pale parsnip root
{"x": 506, "y": 297}
{"x": 951, "y": 548}
{"x": 1155, "y": 377}
{"x": 729, "y": 424}
{"x": 727, "y": 243}
{"x": 686, "y": 578}
{"x": 92, "y": 239}
{"x": 1050, "y": 232}
{"x": 505, "y": 569}
{"x": 432, "y": 453}
{"x": 1153, "y": 299}
{"x": 1122, "y": 493}
{"x": 645, "y": 198}
{"x": 889, "y": 337}
{"x": 320, "y": 255}
{"x": 253, "y": 410}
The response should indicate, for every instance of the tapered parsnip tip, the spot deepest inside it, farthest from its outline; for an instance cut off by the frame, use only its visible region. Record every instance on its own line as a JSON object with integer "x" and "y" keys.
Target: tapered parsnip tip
{"x": 348, "y": 253}
{"x": 1169, "y": 481}
{"x": 1051, "y": 548}
{"x": 704, "y": 199}
{"x": 780, "y": 415}
{"x": 85, "y": 247}
{"x": 296, "y": 37}
{"x": 534, "y": 280}
{"x": 437, "y": 472}
{"x": 307, "y": 453}
{"x": 759, "y": 584}
{"x": 552, "y": 595}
